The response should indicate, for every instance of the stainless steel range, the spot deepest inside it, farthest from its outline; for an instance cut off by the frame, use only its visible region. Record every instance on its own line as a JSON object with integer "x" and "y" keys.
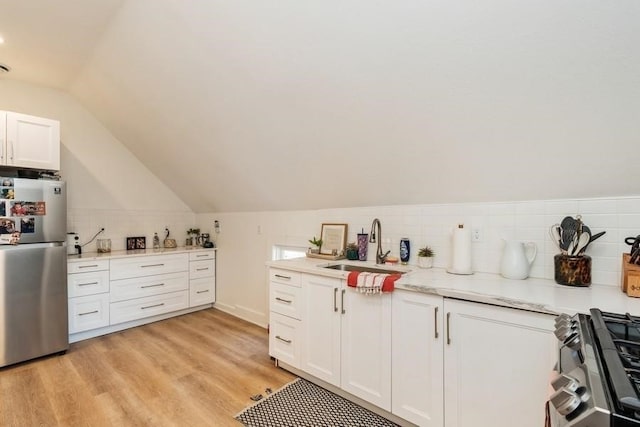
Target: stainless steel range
{"x": 597, "y": 383}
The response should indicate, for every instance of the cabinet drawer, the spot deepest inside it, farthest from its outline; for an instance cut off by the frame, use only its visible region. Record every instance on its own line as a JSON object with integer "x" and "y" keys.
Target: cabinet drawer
{"x": 284, "y": 339}
{"x": 86, "y": 266}
{"x": 285, "y": 299}
{"x": 202, "y": 291}
{"x": 200, "y": 255}
{"x": 140, "y": 308}
{"x": 82, "y": 284}
{"x": 292, "y": 278}
{"x": 125, "y": 268}
{"x": 206, "y": 268}
{"x": 90, "y": 312}
{"x": 146, "y": 286}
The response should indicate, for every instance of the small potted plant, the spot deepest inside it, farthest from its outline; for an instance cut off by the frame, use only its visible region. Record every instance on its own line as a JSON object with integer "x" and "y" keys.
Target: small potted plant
{"x": 352, "y": 251}
{"x": 317, "y": 243}
{"x": 425, "y": 257}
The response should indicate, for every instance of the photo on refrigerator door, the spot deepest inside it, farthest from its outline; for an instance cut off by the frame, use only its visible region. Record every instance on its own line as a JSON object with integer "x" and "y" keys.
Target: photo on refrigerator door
{"x": 7, "y": 226}
{"x": 28, "y": 225}
{"x": 7, "y": 193}
{"x": 21, "y": 208}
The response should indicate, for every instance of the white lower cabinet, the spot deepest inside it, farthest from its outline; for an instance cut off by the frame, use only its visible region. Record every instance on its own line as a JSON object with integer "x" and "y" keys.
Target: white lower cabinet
{"x": 418, "y": 358}
{"x": 464, "y": 364}
{"x": 347, "y": 338}
{"x": 497, "y": 365}
{"x": 88, "y": 312}
{"x": 107, "y": 295}
{"x": 430, "y": 360}
{"x": 284, "y": 339}
{"x": 202, "y": 278}
{"x": 285, "y": 313}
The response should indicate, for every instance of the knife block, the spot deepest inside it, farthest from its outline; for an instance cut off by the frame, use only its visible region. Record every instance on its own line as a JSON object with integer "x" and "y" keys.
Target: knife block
{"x": 630, "y": 277}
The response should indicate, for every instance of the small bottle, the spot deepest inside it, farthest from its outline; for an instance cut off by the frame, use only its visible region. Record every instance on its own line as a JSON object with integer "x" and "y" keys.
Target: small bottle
{"x": 156, "y": 241}
{"x": 405, "y": 250}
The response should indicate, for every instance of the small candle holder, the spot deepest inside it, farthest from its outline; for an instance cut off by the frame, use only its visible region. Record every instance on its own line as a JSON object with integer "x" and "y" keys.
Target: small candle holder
{"x": 572, "y": 270}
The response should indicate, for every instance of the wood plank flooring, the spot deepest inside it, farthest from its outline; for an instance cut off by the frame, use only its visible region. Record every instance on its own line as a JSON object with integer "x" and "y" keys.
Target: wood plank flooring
{"x": 194, "y": 370}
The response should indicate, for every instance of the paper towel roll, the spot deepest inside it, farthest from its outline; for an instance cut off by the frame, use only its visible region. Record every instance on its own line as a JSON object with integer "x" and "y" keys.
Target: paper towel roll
{"x": 460, "y": 251}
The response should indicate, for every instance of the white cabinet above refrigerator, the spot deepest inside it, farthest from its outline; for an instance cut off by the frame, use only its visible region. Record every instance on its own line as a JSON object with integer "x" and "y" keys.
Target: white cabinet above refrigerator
{"x": 29, "y": 142}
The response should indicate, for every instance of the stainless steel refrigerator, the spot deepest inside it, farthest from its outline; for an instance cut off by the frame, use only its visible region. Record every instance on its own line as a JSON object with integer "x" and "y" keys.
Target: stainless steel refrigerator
{"x": 33, "y": 272}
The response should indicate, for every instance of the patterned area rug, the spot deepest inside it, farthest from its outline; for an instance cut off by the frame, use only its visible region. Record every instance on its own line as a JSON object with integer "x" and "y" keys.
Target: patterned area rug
{"x": 304, "y": 404}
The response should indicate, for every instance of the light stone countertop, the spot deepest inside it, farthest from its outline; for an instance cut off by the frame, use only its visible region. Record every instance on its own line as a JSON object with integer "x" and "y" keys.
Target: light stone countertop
{"x": 540, "y": 295}
{"x": 92, "y": 256}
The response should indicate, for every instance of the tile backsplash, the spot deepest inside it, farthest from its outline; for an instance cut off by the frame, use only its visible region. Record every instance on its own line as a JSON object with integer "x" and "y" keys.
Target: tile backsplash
{"x": 120, "y": 224}
{"x": 527, "y": 221}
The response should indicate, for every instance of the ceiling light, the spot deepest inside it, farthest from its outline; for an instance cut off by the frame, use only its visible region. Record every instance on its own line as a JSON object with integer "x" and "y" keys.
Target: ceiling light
{"x": 4, "y": 68}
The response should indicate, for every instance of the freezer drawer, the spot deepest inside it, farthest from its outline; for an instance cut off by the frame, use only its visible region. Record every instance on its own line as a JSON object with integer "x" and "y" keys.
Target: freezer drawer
{"x": 33, "y": 301}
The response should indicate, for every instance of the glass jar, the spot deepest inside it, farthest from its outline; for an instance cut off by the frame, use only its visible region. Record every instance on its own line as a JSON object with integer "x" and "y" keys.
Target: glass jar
{"x": 104, "y": 246}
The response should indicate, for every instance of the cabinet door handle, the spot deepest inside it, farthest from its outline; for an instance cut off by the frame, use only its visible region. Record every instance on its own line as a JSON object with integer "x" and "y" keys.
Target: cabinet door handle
{"x": 202, "y": 292}
{"x": 152, "y": 306}
{"x": 448, "y": 328}
{"x": 11, "y": 155}
{"x": 88, "y": 266}
{"x": 279, "y": 276}
{"x": 335, "y": 300}
{"x": 435, "y": 323}
{"x": 152, "y": 265}
{"x": 1, "y": 149}
{"x": 88, "y": 312}
{"x": 286, "y": 301}
{"x": 152, "y": 286}
{"x": 342, "y": 301}
{"x": 87, "y": 284}
{"x": 278, "y": 337}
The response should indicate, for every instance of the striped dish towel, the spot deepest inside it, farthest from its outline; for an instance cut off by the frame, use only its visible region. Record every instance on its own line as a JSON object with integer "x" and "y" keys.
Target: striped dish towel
{"x": 372, "y": 283}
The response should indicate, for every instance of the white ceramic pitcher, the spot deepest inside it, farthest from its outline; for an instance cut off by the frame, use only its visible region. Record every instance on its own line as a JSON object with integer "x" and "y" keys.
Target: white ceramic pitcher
{"x": 517, "y": 258}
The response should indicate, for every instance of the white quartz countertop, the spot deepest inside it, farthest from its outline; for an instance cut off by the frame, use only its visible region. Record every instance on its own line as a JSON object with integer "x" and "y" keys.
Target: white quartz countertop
{"x": 540, "y": 295}
{"x": 91, "y": 256}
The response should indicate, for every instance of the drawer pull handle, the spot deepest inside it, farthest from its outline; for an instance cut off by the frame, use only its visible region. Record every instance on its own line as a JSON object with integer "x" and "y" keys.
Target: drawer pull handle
{"x": 448, "y": 329}
{"x": 152, "y": 286}
{"x": 202, "y": 269}
{"x": 152, "y": 306}
{"x": 202, "y": 256}
{"x": 282, "y": 339}
{"x": 88, "y": 266}
{"x": 288, "y": 301}
{"x": 87, "y": 284}
{"x": 342, "y": 301}
{"x": 88, "y": 312}
{"x": 152, "y": 265}
{"x": 280, "y": 276}
{"x": 202, "y": 292}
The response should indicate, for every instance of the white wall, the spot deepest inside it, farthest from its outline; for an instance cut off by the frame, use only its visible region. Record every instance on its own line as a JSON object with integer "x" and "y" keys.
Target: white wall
{"x": 246, "y": 239}
{"x": 107, "y": 186}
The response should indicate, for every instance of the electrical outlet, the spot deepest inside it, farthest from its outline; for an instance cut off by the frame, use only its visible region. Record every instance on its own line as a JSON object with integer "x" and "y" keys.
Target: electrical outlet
{"x": 476, "y": 235}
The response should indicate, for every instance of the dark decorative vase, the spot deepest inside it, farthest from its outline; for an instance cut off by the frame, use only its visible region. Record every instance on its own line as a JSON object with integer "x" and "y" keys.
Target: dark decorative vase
{"x": 352, "y": 254}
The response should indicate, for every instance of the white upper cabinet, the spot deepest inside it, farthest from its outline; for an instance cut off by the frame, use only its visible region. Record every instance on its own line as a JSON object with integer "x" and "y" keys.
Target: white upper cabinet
{"x": 29, "y": 142}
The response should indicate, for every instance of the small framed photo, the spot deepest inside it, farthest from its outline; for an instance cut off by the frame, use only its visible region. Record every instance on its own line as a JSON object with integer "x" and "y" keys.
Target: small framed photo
{"x": 136, "y": 243}
{"x": 334, "y": 239}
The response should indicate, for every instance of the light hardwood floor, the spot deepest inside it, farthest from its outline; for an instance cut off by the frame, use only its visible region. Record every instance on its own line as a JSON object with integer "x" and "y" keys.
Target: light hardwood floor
{"x": 199, "y": 369}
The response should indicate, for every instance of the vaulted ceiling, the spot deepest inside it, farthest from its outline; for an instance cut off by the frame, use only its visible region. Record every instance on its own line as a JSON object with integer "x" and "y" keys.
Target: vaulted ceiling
{"x": 285, "y": 104}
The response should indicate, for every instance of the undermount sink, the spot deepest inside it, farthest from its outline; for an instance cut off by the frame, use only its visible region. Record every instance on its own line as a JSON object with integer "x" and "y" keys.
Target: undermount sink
{"x": 362, "y": 268}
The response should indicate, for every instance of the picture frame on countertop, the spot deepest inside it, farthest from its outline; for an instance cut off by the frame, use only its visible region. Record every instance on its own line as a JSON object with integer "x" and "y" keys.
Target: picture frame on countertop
{"x": 136, "y": 243}
{"x": 334, "y": 239}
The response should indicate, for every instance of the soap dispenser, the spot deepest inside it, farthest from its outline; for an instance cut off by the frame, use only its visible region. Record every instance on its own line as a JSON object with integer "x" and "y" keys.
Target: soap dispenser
{"x": 156, "y": 241}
